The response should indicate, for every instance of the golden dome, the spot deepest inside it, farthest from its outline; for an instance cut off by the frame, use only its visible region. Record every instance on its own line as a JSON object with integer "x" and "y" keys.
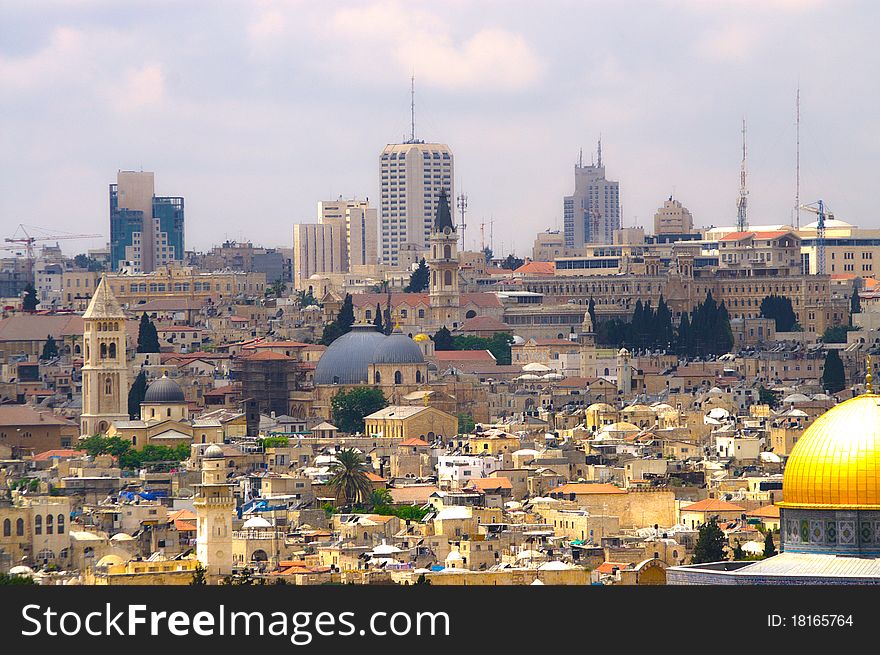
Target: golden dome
{"x": 421, "y": 337}
{"x": 836, "y": 463}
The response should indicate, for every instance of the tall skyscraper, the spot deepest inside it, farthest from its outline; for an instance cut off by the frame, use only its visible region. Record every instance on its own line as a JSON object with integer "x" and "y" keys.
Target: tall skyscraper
{"x": 146, "y": 230}
{"x": 411, "y": 177}
{"x": 592, "y": 213}
{"x": 316, "y": 249}
{"x": 358, "y": 225}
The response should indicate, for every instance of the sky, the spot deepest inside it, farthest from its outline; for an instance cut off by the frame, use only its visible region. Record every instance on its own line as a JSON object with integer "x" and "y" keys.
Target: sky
{"x": 255, "y": 111}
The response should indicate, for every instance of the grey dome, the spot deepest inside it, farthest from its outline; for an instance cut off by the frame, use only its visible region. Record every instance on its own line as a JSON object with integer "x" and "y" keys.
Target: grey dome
{"x": 213, "y": 452}
{"x": 398, "y": 349}
{"x": 164, "y": 390}
{"x": 347, "y": 359}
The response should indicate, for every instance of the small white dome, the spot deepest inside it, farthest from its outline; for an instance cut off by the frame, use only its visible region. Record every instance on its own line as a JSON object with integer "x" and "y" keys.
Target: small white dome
{"x": 555, "y": 565}
{"x": 121, "y": 536}
{"x": 454, "y": 556}
{"x": 21, "y": 570}
{"x": 385, "y": 549}
{"x": 255, "y": 523}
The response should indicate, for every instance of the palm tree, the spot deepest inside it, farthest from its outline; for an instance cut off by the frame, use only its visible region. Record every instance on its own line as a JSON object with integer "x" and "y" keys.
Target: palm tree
{"x": 350, "y": 481}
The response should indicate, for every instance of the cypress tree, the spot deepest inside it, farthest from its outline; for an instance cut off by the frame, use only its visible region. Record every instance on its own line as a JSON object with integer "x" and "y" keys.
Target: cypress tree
{"x": 377, "y": 322}
{"x": 834, "y": 375}
{"x": 419, "y": 279}
{"x": 50, "y": 348}
{"x": 136, "y": 395}
{"x": 443, "y": 340}
{"x": 148, "y": 336}
{"x": 346, "y": 314}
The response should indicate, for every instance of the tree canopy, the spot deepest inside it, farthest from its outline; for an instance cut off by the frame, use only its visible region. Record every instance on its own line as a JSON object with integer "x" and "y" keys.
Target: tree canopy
{"x": 834, "y": 374}
{"x": 148, "y": 336}
{"x": 377, "y": 321}
{"x": 342, "y": 324}
{"x": 50, "y": 348}
{"x": 512, "y": 263}
{"x": 779, "y": 308}
{"x": 419, "y": 279}
{"x": 349, "y": 407}
{"x": 136, "y": 395}
{"x": 498, "y": 344}
{"x": 710, "y": 543}
{"x": 29, "y": 301}
{"x": 349, "y": 479}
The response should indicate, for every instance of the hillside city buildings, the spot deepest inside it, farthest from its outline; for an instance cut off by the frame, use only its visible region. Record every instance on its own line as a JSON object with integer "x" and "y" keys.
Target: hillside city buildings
{"x": 170, "y": 414}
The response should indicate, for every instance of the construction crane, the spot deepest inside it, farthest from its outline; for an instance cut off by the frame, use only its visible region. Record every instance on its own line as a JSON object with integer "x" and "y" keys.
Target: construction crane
{"x": 818, "y": 208}
{"x": 28, "y": 235}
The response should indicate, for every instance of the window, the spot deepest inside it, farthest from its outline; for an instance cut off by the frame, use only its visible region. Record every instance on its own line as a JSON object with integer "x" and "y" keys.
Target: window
{"x": 19, "y": 528}
{"x": 38, "y": 525}
{"x": 7, "y": 528}
{"x": 49, "y": 521}
{"x": 398, "y": 377}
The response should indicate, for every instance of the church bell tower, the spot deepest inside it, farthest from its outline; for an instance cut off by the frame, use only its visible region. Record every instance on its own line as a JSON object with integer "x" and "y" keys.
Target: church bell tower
{"x": 104, "y": 371}
{"x": 444, "y": 294}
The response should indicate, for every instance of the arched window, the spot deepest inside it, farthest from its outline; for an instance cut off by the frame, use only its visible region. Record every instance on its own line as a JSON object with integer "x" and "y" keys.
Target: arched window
{"x": 61, "y": 524}
{"x": 108, "y": 385}
{"x": 470, "y": 314}
{"x": 7, "y": 528}
{"x": 103, "y": 351}
{"x": 447, "y": 278}
{"x": 418, "y": 376}
{"x": 19, "y": 528}
{"x": 447, "y": 252}
{"x": 112, "y": 351}
{"x": 398, "y": 377}
{"x": 38, "y": 524}
{"x": 377, "y": 378}
{"x": 49, "y": 522}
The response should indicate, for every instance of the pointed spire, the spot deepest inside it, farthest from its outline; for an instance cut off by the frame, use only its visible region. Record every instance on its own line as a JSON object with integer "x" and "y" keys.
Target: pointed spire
{"x": 443, "y": 218}
{"x": 103, "y": 303}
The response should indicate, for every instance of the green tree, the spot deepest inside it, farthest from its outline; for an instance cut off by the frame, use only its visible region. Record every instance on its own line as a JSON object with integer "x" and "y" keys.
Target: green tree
{"x": 305, "y": 299}
{"x": 591, "y": 308}
{"x": 512, "y": 263}
{"x": 488, "y": 255}
{"x": 834, "y": 375}
{"x": 349, "y": 481}
{"x": 418, "y": 281}
{"x": 198, "y": 577}
{"x": 136, "y": 395}
{"x": 443, "y": 339}
{"x": 148, "y": 337}
{"x": 29, "y": 301}
{"x": 855, "y": 302}
{"x": 380, "y": 498}
{"x": 50, "y": 348}
{"x": 738, "y": 553}
{"x": 769, "y": 546}
{"x": 12, "y": 579}
{"x": 422, "y": 580}
{"x": 836, "y": 334}
{"x": 466, "y": 423}
{"x": 342, "y": 324}
{"x": 83, "y": 261}
{"x": 780, "y": 309}
{"x": 377, "y": 322}
{"x": 349, "y": 407}
{"x": 710, "y": 543}
{"x": 768, "y": 397}
{"x": 277, "y": 288}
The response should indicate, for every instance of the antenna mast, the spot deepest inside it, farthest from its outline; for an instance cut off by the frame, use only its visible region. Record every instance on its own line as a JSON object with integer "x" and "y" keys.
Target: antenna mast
{"x": 462, "y": 207}
{"x": 797, "y": 190}
{"x": 742, "y": 221}
{"x": 412, "y": 109}
{"x": 599, "y": 162}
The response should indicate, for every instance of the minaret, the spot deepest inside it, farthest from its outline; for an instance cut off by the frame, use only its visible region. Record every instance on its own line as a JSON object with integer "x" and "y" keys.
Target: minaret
{"x": 624, "y": 373}
{"x": 215, "y": 506}
{"x": 444, "y": 266}
{"x": 104, "y": 371}
{"x": 587, "y": 339}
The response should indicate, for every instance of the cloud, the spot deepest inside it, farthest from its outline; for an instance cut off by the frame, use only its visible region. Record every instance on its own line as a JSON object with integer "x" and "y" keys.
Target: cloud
{"x": 732, "y": 43}
{"x": 144, "y": 87}
{"x": 57, "y": 60}
{"x": 420, "y": 42}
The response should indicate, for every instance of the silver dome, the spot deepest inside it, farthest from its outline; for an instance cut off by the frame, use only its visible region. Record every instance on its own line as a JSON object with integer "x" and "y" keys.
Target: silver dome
{"x": 164, "y": 390}
{"x": 398, "y": 348}
{"x": 347, "y": 359}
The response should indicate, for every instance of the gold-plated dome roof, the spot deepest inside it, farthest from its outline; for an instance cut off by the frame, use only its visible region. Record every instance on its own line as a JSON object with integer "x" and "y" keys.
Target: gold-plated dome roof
{"x": 836, "y": 463}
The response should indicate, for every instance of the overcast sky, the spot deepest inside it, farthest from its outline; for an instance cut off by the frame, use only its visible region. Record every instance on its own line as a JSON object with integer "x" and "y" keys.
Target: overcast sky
{"x": 255, "y": 111}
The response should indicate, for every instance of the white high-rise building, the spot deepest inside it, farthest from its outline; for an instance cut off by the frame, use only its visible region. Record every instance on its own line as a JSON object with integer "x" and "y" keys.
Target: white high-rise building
{"x": 411, "y": 177}
{"x": 358, "y": 225}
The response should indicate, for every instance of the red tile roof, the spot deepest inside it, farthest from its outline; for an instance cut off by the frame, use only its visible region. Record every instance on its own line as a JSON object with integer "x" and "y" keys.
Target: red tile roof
{"x": 413, "y": 441}
{"x": 537, "y": 268}
{"x": 483, "y": 324}
{"x": 712, "y": 505}
{"x": 739, "y": 236}
{"x": 464, "y": 356}
{"x": 60, "y": 453}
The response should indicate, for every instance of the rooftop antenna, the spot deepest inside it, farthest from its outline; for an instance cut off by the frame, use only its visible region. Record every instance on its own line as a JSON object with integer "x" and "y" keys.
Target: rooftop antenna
{"x": 462, "y": 207}
{"x": 412, "y": 109}
{"x": 581, "y": 158}
{"x": 599, "y": 157}
{"x": 742, "y": 221}
{"x": 797, "y": 189}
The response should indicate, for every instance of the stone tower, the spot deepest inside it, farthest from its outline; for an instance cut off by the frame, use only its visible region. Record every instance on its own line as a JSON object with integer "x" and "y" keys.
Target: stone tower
{"x": 104, "y": 371}
{"x": 444, "y": 266}
{"x": 587, "y": 339}
{"x": 624, "y": 373}
{"x": 215, "y": 507}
